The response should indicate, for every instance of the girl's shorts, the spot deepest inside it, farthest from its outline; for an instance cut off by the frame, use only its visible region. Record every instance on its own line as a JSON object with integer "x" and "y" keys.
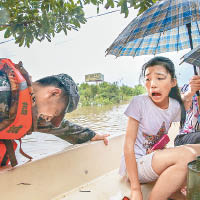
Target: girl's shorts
{"x": 145, "y": 171}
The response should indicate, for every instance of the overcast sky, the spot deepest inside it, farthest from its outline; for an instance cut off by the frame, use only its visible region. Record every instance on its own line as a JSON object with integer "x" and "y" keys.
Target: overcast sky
{"x": 83, "y": 52}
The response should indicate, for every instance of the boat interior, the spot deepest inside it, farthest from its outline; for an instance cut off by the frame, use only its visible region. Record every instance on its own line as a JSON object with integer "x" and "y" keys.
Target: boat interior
{"x": 81, "y": 172}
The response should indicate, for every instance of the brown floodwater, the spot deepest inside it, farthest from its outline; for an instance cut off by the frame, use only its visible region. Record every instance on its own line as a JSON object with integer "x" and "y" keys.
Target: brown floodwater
{"x": 102, "y": 119}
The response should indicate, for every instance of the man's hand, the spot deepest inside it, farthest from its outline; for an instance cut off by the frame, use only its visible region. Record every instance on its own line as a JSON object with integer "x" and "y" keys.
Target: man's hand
{"x": 101, "y": 137}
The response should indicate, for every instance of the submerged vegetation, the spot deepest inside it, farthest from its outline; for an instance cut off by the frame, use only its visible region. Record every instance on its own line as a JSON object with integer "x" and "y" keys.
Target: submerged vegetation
{"x": 107, "y": 93}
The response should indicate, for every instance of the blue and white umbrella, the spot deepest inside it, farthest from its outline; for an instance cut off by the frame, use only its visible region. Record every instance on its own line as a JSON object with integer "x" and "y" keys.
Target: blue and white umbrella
{"x": 169, "y": 25}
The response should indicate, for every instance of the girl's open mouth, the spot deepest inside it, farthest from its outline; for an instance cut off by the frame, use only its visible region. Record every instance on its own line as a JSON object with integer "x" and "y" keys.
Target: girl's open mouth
{"x": 155, "y": 94}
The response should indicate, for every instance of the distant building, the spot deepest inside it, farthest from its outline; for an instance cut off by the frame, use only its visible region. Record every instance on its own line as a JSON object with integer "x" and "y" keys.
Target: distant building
{"x": 97, "y": 77}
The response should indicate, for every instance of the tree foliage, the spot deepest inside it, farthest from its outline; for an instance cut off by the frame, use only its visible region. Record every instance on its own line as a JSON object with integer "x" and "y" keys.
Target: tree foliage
{"x": 26, "y": 20}
{"x": 107, "y": 93}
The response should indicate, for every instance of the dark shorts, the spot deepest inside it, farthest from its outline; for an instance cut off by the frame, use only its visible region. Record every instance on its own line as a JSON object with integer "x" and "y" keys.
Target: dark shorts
{"x": 189, "y": 138}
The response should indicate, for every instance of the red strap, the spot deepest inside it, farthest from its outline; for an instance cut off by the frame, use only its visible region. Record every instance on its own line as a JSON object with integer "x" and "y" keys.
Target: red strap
{"x": 22, "y": 152}
{"x": 7, "y": 154}
{"x": 125, "y": 198}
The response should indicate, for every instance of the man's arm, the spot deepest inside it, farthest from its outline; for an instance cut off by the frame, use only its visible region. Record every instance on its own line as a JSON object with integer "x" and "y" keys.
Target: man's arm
{"x": 76, "y": 134}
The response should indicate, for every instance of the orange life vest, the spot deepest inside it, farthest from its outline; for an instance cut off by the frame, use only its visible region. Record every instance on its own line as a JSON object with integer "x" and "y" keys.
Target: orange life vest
{"x": 23, "y": 121}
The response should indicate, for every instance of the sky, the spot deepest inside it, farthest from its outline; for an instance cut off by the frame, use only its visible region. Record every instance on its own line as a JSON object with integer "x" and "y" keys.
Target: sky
{"x": 83, "y": 52}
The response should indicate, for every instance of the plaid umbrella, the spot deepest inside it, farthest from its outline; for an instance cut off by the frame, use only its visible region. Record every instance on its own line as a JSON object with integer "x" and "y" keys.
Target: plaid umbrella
{"x": 192, "y": 57}
{"x": 169, "y": 25}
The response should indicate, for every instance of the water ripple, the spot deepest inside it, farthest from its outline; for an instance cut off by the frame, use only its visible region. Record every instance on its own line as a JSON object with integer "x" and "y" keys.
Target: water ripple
{"x": 105, "y": 119}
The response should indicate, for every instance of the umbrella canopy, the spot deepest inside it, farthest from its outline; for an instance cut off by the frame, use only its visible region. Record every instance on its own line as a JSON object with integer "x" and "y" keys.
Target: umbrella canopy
{"x": 192, "y": 57}
{"x": 169, "y": 25}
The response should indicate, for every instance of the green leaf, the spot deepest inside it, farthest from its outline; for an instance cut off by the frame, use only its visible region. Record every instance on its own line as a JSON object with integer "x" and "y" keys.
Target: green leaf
{"x": 94, "y": 2}
{"x": 111, "y": 3}
{"x": 7, "y": 34}
{"x": 154, "y": 1}
{"x": 4, "y": 16}
{"x": 65, "y": 31}
{"x": 124, "y": 7}
{"x": 27, "y": 20}
{"x": 21, "y": 42}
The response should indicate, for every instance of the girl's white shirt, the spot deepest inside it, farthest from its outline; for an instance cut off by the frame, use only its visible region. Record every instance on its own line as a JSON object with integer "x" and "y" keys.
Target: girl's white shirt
{"x": 154, "y": 122}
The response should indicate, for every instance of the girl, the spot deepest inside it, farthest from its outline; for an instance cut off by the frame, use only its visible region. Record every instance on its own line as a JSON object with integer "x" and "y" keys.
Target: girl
{"x": 150, "y": 117}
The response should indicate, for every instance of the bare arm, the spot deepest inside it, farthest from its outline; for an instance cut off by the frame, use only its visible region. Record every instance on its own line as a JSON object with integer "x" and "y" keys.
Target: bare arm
{"x": 187, "y": 99}
{"x": 131, "y": 165}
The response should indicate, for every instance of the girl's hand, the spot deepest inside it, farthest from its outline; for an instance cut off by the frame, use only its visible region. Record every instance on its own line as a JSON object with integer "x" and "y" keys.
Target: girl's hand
{"x": 136, "y": 195}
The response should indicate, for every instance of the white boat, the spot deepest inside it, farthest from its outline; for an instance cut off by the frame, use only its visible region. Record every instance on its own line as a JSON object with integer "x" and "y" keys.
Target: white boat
{"x": 81, "y": 172}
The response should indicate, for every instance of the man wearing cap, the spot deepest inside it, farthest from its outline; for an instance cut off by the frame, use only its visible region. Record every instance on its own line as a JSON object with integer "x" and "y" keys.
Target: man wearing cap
{"x": 62, "y": 95}
{"x": 49, "y": 99}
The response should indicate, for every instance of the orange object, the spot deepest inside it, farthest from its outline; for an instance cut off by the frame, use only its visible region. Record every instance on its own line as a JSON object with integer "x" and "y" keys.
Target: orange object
{"x": 4, "y": 159}
{"x": 23, "y": 121}
{"x": 125, "y": 198}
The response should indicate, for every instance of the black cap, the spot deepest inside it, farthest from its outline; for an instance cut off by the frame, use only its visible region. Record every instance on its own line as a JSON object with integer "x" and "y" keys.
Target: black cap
{"x": 71, "y": 89}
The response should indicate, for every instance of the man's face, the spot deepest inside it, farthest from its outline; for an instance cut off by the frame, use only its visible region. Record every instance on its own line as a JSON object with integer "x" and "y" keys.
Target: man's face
{"x": 50, "y": 106}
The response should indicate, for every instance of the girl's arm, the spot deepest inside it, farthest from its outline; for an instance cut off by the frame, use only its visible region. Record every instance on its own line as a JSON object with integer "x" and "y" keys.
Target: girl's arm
{"x": 131, "y": 166}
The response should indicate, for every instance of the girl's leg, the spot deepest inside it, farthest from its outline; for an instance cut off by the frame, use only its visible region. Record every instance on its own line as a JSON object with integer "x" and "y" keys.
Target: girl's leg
{"x": 171, "y": 166}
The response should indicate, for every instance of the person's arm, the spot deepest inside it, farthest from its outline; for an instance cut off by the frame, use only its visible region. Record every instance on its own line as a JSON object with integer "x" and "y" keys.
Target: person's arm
{"x": 187, "y": 99}
{"x": 76, "y": 134}
{"x": 131, "y": 165}
{"x": 194, "y": 87}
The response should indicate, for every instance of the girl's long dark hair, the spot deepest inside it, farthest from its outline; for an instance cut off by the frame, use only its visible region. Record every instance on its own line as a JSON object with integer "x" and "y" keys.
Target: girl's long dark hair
{"x": 169, "y": 66}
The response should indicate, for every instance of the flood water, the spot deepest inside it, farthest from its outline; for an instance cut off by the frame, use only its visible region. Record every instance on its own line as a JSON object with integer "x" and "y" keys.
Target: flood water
{"x": 102, "y": 119}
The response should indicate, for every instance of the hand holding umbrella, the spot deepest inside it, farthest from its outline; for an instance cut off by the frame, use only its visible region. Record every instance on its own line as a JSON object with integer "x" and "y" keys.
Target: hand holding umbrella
{"x": 193, "y": 57}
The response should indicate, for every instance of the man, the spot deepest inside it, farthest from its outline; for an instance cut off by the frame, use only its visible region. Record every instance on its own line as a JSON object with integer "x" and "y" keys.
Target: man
{"x": 190, "y": 132}
{"x": 41, "y": 106}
